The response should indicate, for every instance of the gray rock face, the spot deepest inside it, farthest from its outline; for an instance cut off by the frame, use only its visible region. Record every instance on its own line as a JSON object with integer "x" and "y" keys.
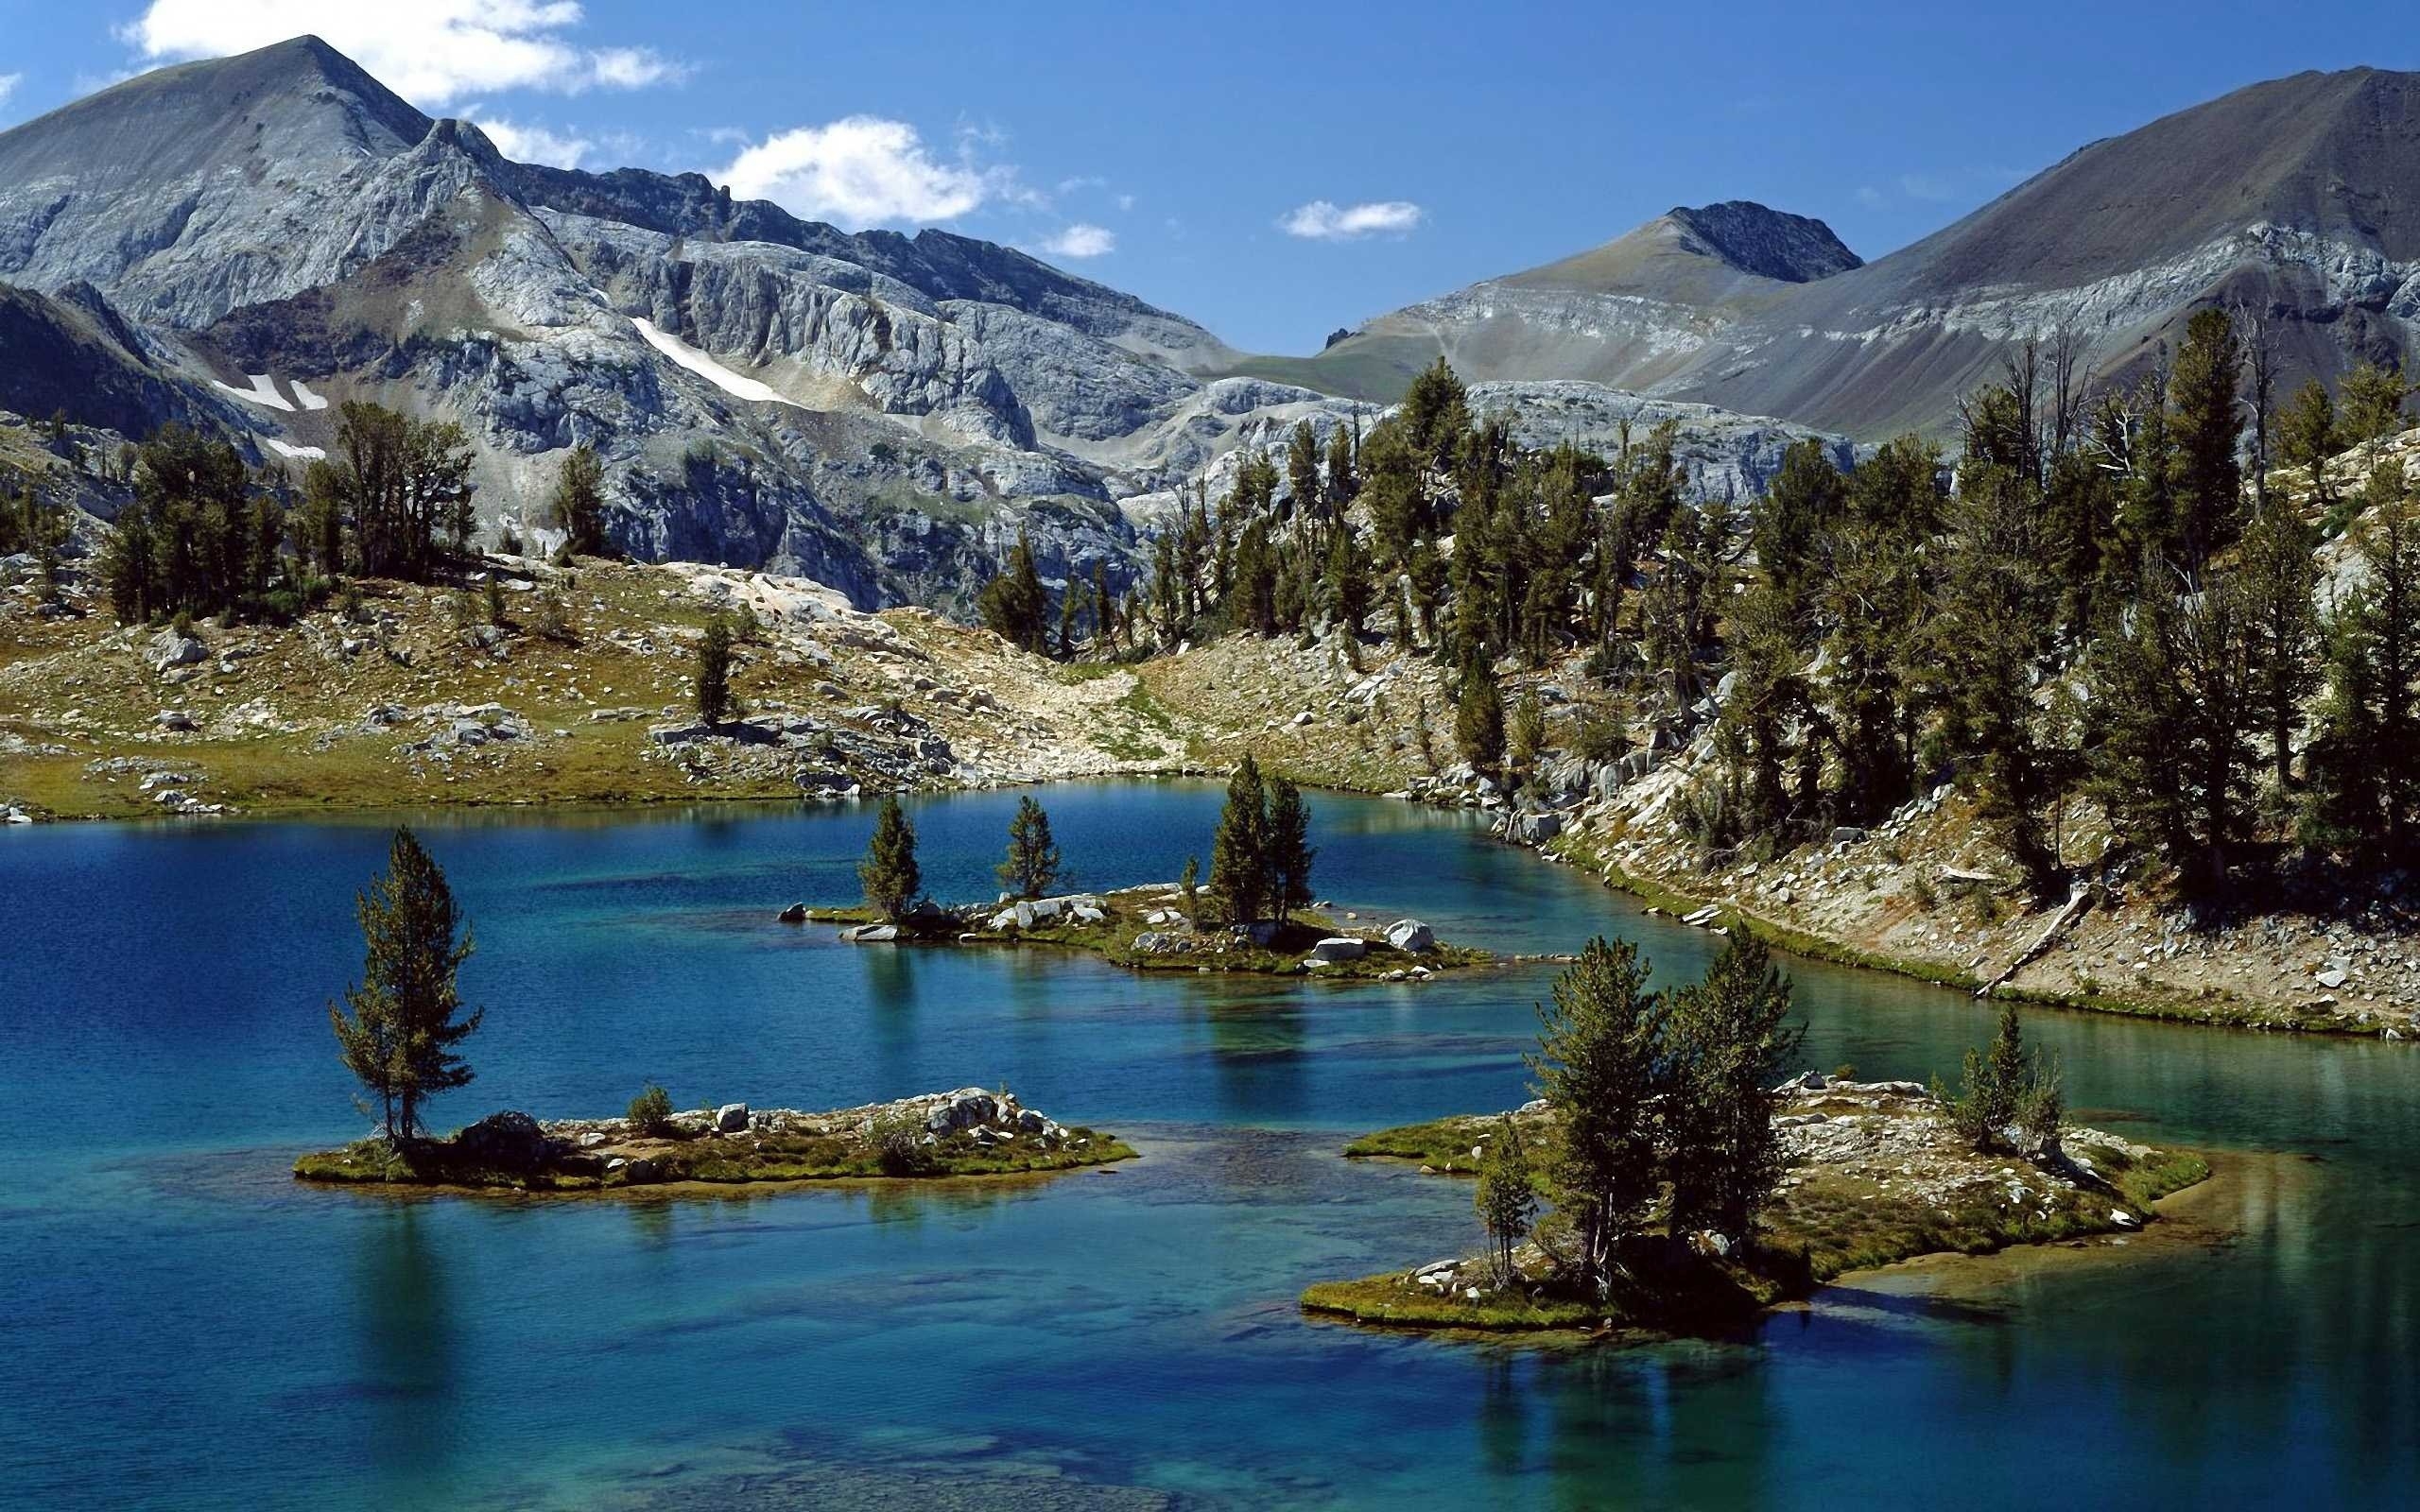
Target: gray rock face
{"x": 1770, "y": 243}
{"x": 1410, "y": 935}
{"x": 248, "y": 243}
{"x": 1340, "y": 948}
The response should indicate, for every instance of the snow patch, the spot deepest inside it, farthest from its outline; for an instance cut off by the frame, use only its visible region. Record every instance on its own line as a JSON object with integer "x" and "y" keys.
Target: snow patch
{"x": 300, "y": 454}
{"x": 707, "y": 368}
{"x": 309, "y": 400}
{"x": 263, "y": 393}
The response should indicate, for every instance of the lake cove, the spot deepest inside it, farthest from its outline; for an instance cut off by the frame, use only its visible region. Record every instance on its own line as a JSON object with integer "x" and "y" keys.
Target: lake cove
{"x": 1130, "y": 1338}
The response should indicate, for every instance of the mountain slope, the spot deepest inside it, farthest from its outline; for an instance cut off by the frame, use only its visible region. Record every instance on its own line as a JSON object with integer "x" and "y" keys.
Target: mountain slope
{"x": 2300, "y": 195}
{"x": 1626, "y": 314}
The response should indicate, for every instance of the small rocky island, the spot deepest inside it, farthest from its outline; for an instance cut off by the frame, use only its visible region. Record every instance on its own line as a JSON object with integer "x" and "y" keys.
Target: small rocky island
{"x": 969, "y": 1132}
{"x": 1155, "y": 928}
{"x": 1875, "y": 1173}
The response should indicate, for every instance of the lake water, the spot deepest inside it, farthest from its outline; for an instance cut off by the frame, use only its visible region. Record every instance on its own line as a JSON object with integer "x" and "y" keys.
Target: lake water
{"x": 184, "y": 1328}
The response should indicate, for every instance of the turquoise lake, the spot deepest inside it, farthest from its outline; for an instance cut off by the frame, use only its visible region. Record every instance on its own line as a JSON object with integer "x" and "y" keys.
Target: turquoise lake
{"x": 185, "y": 1328}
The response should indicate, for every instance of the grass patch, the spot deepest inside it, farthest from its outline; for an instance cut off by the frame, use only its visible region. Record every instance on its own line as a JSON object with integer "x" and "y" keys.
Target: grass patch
{"x": 726, "y": 1160}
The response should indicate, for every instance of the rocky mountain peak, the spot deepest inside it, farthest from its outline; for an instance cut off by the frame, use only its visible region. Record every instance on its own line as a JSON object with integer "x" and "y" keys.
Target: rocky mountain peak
{"x": 1770, "y": 243}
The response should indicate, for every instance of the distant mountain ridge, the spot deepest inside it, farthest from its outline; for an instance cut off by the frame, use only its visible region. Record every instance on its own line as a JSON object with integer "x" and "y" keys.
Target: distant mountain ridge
{"x": 2300, "y": 195}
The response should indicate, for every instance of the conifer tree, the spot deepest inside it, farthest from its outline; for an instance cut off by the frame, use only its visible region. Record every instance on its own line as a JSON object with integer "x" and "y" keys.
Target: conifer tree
{"x": 1478, "y": 719}
{"x": 1289, "y": 848}
{"x": 578, "y": 508}
{"x": 2370, "y": 403}
{"x": 1014, "y": 605}
{"x": 891, "y": 880}
{"x": 1600, "y": 1050}
{"x": 1507, "y": 1197}
{"x": 2307, "y": 437}
{"x": 2207, "y": 422}
{"x": 2279, "y": 579}
{"x": 1731, "y": 1041}
{"x": 712, "y": 683}
{"x": 399, "y": 1041}
{"x": 1239, "y": 850}
{"x": 1032, "y": 864}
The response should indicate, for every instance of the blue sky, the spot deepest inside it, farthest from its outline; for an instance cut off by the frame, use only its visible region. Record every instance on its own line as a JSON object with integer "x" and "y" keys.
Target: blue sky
{"x": 1274, "y": 170}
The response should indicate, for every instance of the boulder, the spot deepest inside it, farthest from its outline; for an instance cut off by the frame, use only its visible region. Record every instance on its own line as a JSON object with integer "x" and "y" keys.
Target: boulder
{"x": 1536, "y": 829}
{"x": 641, "y": 1171}
{"x": 731, "y": 1118}
{"x": 1340, "y": 948}
{"x": 794, "y": 914}
{"x": 1087, "y": 914}
{"x": 1410, "y": 935}
{"x": 507, "y": 1141}
{"x": 870, "y": 934}
{"x": 967, "y": 1108}
{"x": 1154, "y": 942}
{"x": 170, "y": 649}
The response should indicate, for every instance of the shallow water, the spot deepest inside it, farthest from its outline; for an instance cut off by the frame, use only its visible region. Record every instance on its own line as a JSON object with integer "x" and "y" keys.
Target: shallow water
{"x": 186, "y": 1329}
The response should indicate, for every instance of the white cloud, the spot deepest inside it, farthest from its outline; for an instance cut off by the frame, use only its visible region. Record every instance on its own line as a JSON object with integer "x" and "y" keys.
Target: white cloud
{"x": 863, "y": 170}
{"x": 1125, "y": 201}
{"x": 533, "y": 144}
{"x": 9, "y": 83}
{"x": 1081, "y": 240}
{"x": 431, "y": 52}
{"x": 1323, "y": 220}
{"x": 1871, "y": 197}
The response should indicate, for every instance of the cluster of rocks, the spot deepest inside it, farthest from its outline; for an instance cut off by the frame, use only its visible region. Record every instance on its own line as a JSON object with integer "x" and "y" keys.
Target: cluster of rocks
{"x": 619, "y": 1149}
{"x": 1898, "y": 1135}
{"x": 823, "y": 757}
{"x": 458, "y": 727}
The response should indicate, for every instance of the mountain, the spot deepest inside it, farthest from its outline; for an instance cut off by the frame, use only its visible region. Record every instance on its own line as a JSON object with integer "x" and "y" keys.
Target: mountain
{"x": 248, "y": 242}
{"x": 2301, "y": 196}
{"x": 1626, "y": 314}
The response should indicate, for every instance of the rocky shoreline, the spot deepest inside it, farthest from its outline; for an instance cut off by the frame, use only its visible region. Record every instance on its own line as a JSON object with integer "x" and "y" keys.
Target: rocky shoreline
{"x": 1876, "y": 1175}
{"x": 969, "y": 1132}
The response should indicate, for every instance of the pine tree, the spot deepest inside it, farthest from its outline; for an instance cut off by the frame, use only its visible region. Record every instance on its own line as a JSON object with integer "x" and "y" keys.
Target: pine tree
{"x": 1731, "y": 1041}
{"x": 1507, "y": 1198}
{"x": 2370, "y": 403}
{"x": 406, "y": 1013}
{"x": 1239, "y": 850}
{"x": 2279, "y": 579}
{"x": 1032, "y": 865}
{"x": 2307, "y": 438}
{"x": 1290, "y": 850}
{"x": 578, "y": 508}
{"x": 891, "y": 880}
{"x": 2207, "y": 422}
{"x": 1478, "y": 719}
{"x": 1601, "y": 1051}
{"x": 1014, "y": 605}
{"x": 1525, "y": 736}
{"x": 712, "y": 682}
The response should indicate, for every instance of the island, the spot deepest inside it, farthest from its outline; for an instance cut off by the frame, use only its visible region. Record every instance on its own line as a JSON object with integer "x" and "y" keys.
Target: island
{"x": 1874, "y": 1172}
{"x": 1154, "y": 928}
{"x": 969, "y": 1132}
